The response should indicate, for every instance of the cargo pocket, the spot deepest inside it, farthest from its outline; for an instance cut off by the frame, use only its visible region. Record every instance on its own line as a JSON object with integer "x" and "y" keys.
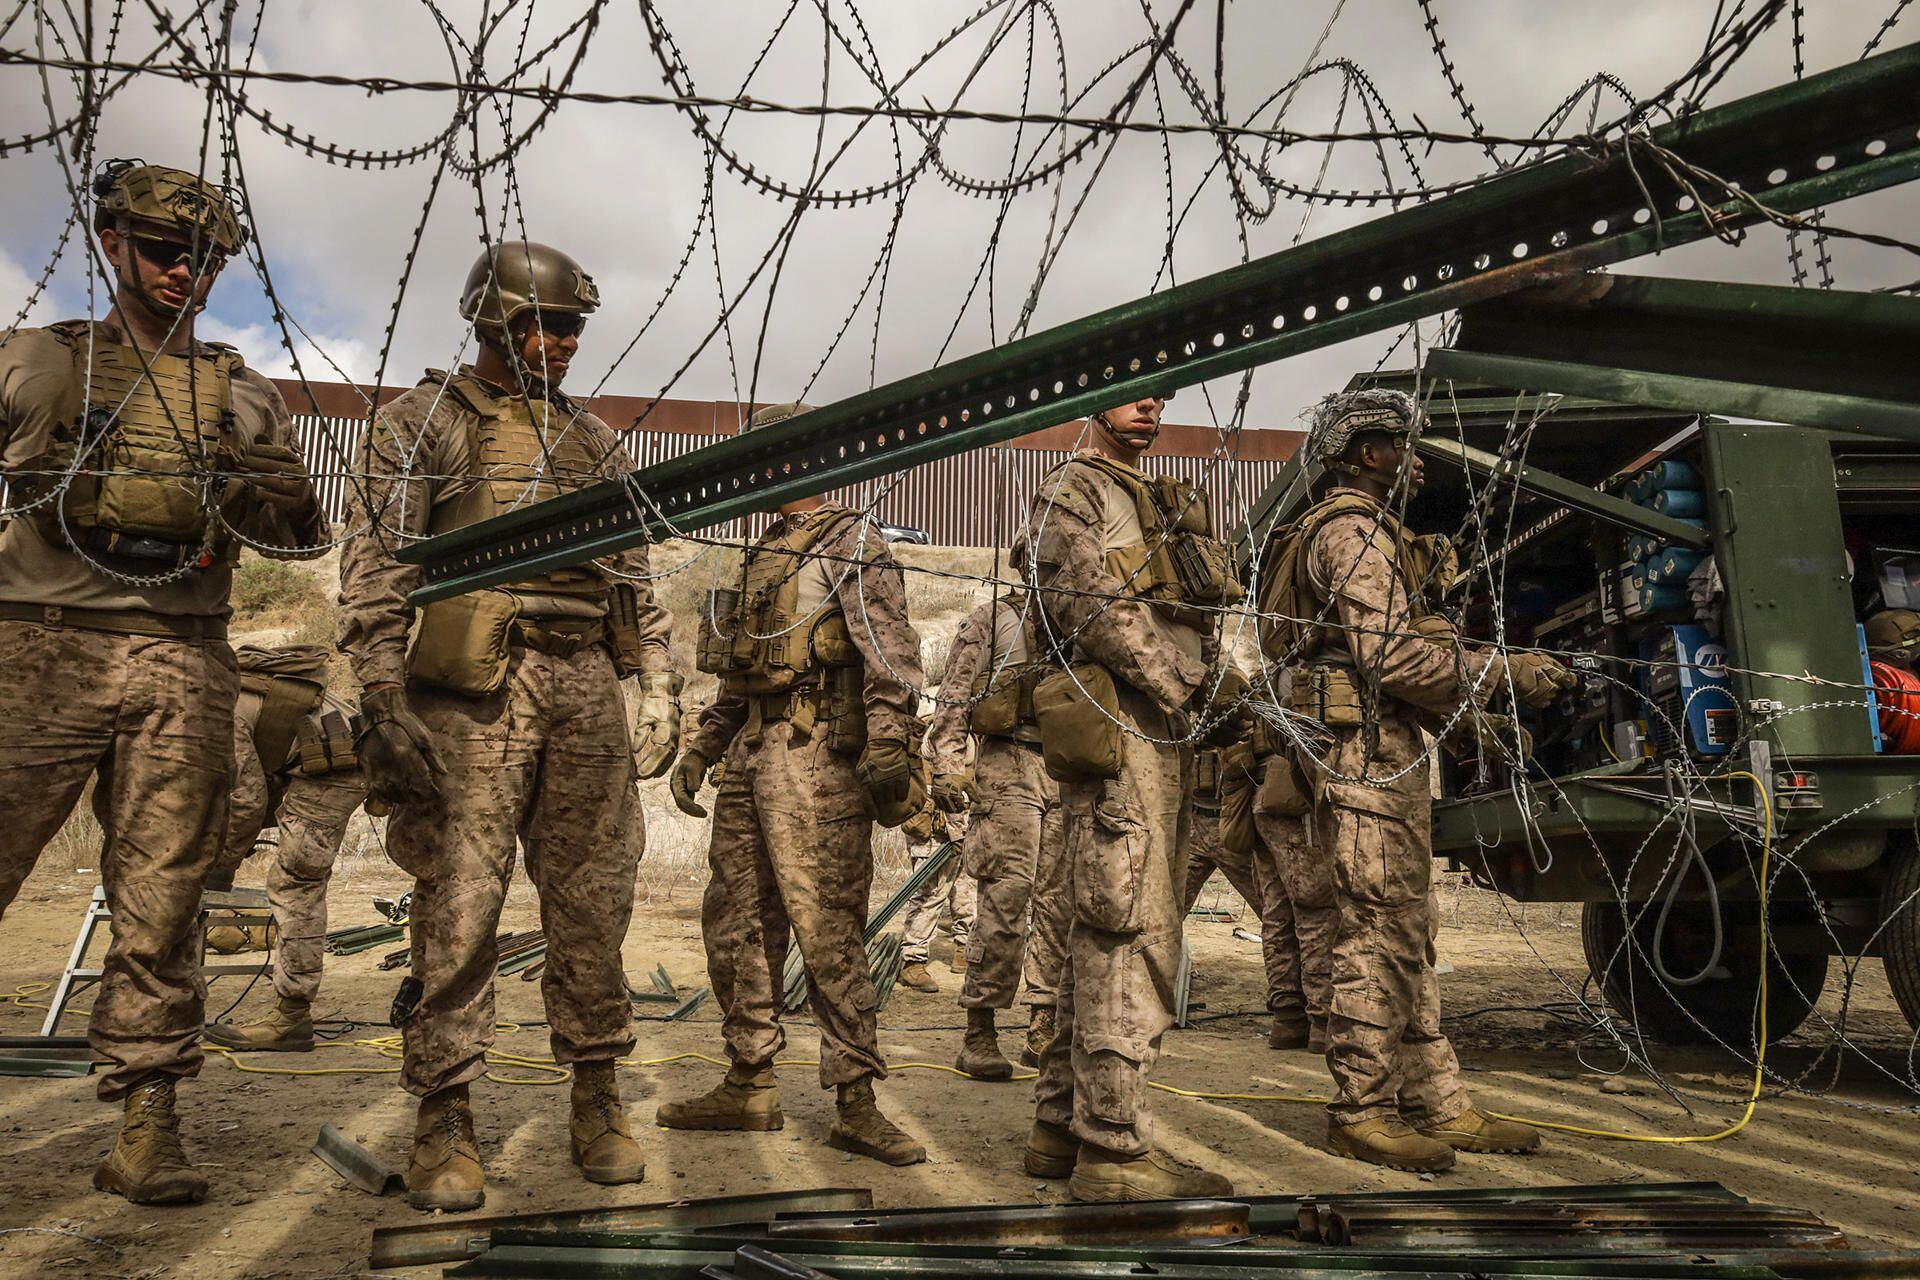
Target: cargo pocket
{"x": 1378, "y": 861}
{"x": 1111, "y": 852}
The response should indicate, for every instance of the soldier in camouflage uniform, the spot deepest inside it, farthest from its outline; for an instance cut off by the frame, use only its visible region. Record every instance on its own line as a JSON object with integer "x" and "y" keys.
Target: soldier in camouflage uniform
{"x": 294, "y": 768}
{"x": 951, "y": 890}
{"x": 137, "y": 457}
{"x": 819, "y": 674}
{"x": 1016, "y": 845}
{"x": 1379, "y": 665}
{"x": 1128, "y": 576}
{"x": 1230, "y": 837}
{"x": 510, "y": 722}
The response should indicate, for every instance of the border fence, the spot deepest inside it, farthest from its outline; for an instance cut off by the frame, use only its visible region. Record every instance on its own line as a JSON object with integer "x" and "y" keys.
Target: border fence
{"x": 976, "y": 499}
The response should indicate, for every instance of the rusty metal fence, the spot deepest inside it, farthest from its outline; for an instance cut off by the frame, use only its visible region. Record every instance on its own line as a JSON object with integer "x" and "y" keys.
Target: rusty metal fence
{"x": 974, "y": 500}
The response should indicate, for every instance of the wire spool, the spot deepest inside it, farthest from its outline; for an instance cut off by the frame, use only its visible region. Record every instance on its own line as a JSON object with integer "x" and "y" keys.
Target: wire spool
{"x": 1671, "y": 565}
{"x": 1897, "y": 693}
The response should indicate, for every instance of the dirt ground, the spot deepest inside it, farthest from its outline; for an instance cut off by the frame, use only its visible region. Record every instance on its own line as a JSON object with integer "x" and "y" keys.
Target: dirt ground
{"x": 276, "y": 1211}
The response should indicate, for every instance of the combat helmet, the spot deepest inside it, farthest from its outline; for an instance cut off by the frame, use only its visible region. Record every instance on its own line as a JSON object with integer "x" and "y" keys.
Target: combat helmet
{"x": 170, "y": 202}
{"x": 1344, "y": 415}
{"x": 1893, "y": 635}
{"x": 518, "y": 276}
{"x": 775, "y": 413}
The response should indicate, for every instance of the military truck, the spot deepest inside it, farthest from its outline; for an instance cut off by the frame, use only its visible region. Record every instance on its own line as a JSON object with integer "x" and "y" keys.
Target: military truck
{"x": 1707, "y": 575}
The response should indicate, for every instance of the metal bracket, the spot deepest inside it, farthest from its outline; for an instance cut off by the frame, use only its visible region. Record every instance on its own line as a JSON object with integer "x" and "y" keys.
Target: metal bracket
{"x": 1815, "y": 142}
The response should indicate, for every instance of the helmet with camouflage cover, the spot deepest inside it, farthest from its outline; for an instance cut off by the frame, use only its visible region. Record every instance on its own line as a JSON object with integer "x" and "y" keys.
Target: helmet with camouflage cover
{"x": 518, "y": 276}
{"x": 1893, "y": 635}
{"x": 1344, "y": 416}
{"x": 169, "y": 202}
{"x": 775, "y": 413}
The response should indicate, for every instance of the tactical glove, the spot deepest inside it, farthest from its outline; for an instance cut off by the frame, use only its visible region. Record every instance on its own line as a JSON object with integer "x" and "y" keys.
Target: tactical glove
{"x": 1538, "y": 679}
{"x": 1226, "y": 717}
{"x": 1485, "y": 733}
{"x": 687, "y": 777}
{"x": 656, "y": 722}
{"x": 954, "y": 792}
{"x": 396, "y": 751}
{"x": 888, "y": 770}
{"x": 278, "y": 474}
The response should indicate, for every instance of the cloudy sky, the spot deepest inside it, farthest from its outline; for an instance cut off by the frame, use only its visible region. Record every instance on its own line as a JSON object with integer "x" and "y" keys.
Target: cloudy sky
{"x": 624, "y": 187}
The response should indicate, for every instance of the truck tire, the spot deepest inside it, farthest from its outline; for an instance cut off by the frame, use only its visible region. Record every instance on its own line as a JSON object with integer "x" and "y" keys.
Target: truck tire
{"x": 1900, "y": 909}
{"x": 1722, "y": 1006}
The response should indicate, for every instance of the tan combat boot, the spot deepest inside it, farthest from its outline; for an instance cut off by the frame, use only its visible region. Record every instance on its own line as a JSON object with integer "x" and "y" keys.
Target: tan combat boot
{"x": 915, "y": 975}
{"x": 1051, "y": 1151}
{"x": 980, "y": 1055}
{"x": 445, "y": 1171}
{"x": 1317, "y": 1036}
{"x": 601, "y": 1143}
{"x": 1386, "y": 1140}
{"x": 288, "y": 1029}
{"x": 147, "y": 1164}
{"x": 959, "y": 962}
{"x": 1290, "y": 1031}
{"x": 861, "y": 1129}
{"x": 1039, "y": 1034}
{"x": 1102, "y": 1175}
{"x": 748, "y": 1099}
{"x": 1475, "y": 1130}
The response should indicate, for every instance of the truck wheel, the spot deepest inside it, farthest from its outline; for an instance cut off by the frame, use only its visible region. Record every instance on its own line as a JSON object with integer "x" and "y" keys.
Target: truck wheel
{"x": 1723, "y": 1005}
{"x": 1900, "y": 909}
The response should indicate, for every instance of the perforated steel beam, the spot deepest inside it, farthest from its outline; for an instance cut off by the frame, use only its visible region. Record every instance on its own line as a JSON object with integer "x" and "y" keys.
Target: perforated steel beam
{"x": 1848, "y": 131}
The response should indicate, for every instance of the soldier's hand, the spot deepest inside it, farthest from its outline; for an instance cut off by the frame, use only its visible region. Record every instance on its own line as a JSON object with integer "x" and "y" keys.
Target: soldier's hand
{"x": 396, "y": 751}
{"x": 1227, "y": 717}
{"x": 687, "y": 777}
{"x": 278, "y": 474}
{"x": 1538, "y": 679}
{"x": 656, "y": 723}
{"x": 887, "y": 769}
{"x": 954, "y": 792}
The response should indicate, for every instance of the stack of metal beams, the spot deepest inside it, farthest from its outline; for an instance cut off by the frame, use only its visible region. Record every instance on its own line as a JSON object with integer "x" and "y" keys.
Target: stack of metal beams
{"x": 1699, "y": 1230}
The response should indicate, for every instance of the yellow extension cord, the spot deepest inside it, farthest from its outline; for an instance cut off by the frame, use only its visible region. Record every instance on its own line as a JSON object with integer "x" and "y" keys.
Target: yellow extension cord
{"x": 552, "y": 1073}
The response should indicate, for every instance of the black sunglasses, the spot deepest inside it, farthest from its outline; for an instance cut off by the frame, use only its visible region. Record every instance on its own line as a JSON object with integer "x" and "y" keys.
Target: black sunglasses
{"x": 560, "y": 324}
{"x": 167, "y": 254}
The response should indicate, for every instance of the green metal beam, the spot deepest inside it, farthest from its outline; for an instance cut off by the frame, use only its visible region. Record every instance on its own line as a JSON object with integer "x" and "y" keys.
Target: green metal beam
{"x": 1567, "y": 493}
{"x": 1810, "y": 357}
{"x": 1816, "y": 142}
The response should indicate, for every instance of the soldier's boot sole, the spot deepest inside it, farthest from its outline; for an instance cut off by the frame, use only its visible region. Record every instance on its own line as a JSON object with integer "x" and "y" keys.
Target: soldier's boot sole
{"x": 610, "y": 1169}
{"x": 1051, "y": 1152}
{"x": 983, "y": 1062}
{"x": 671, "y": 1117}
{"x": 176, "y": 1186}
{"x": 1104, "y": 1182}
{"x": 447, "y": 1201}
{"x": 841, "y": 1139}
{"x": 1342, "y": 1145}
{"x": 237, "y": 1042}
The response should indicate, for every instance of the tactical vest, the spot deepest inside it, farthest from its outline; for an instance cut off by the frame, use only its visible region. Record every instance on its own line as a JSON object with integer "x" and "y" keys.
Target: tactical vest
{"x": 1295, "y": 624}
{"x": 513, "y": 467}
{"x": 1002, "y": 691}
{"x": 146, "y": 453}
{"x": 1178, "y": 565}
{"x": 761, "y": 642}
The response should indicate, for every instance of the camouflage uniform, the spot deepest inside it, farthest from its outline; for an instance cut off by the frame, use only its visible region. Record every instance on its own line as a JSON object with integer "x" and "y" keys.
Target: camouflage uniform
{"x": 1015, "y": 842}
{"x": 131, "y": 685}
{"x": 953, "y": 890}
{"x": 1126, "y": 838}
{"x": 792, "y": 825}
{"x": 312, "y": 812}
{"x": 1387, "y": 1052}
{"x": 545, "y": 757}
{"x": 1255, "y": 876}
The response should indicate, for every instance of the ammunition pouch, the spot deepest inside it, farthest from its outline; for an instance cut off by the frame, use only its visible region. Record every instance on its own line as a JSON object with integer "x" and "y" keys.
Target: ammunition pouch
{"x": 1078, "y": 711}
{"x": 557, "y": 637}
{"x": 1331, "y": 695}
{"x": 463, "y": 644}
{"x": 1206, "y": 775}
{"x": 323, "y": 744}
{"x": 844, "y": 708}
{"x": 1008, "y": 708}
{"x": 713, "y": 652}
{"x": 1236, "y": 814}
